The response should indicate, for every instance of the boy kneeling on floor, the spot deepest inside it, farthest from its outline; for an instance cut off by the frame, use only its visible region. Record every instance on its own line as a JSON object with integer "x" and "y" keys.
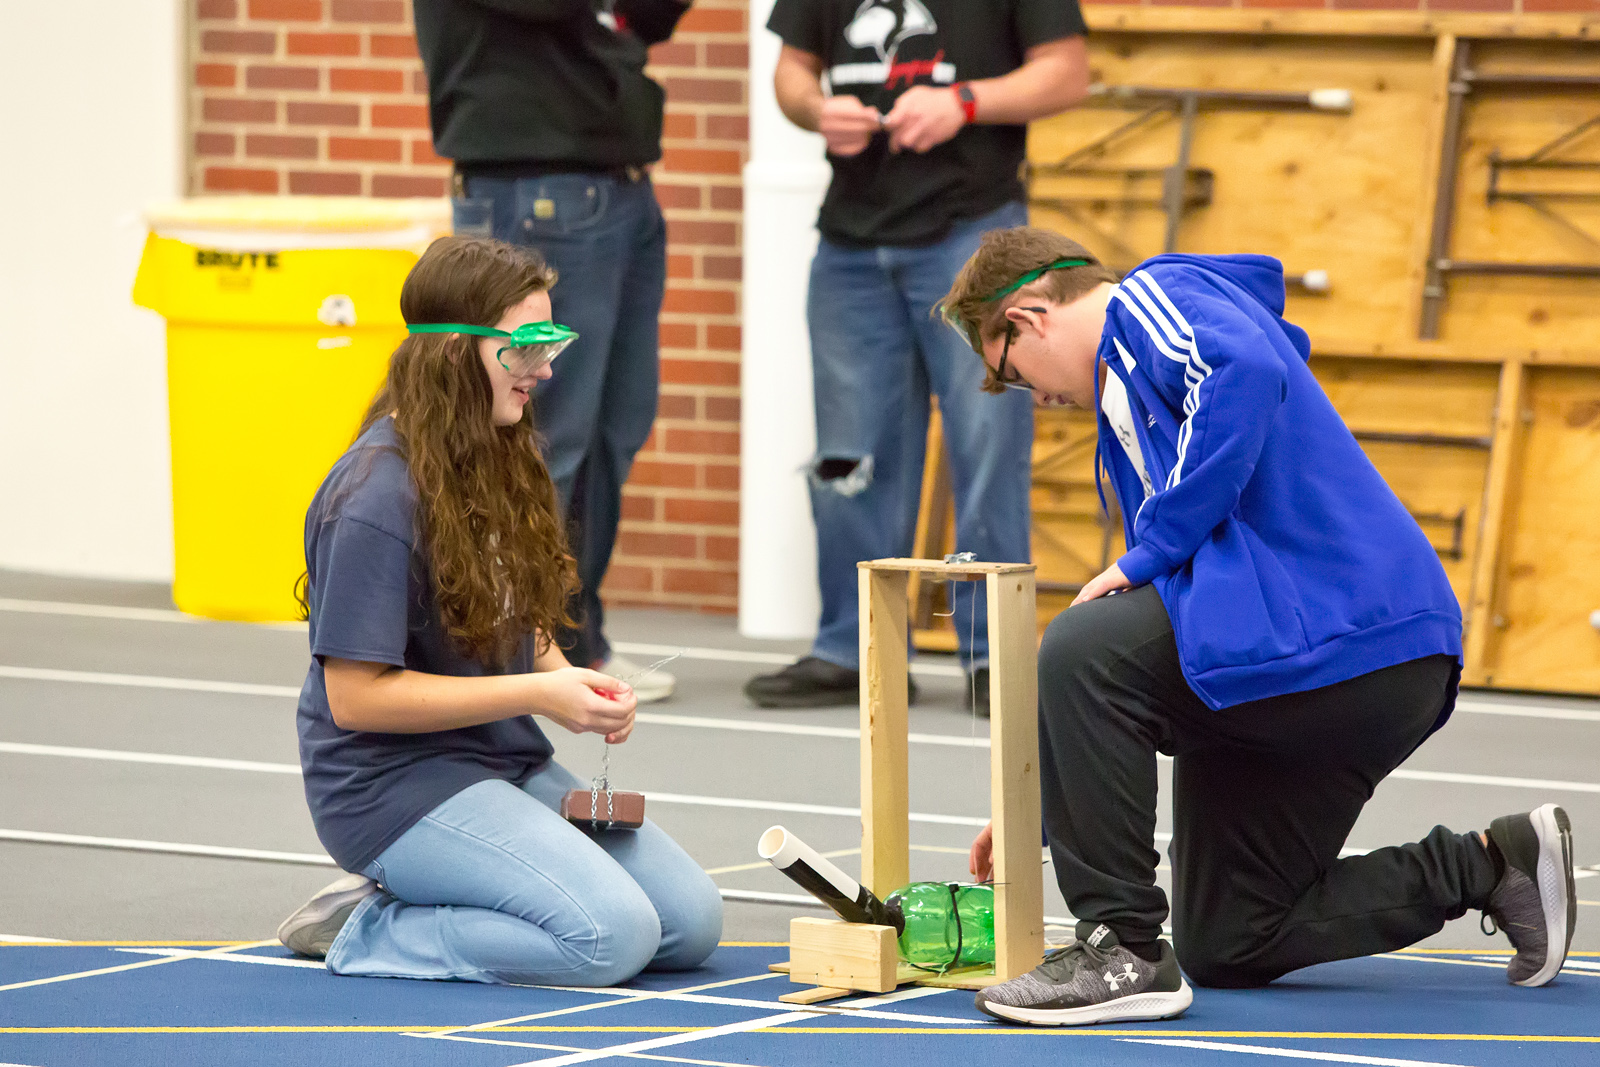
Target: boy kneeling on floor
{"x": 1279, "y": 625}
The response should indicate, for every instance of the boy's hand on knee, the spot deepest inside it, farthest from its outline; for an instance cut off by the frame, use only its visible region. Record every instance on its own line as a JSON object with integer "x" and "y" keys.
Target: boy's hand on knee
{"x": 1110, "y": 580}
{"x": 981, "y": 860}
{"x": 586, "y": 701}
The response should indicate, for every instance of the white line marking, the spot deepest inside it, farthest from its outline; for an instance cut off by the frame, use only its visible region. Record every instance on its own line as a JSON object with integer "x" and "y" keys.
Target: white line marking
{"x": 1495, "y": 779}
{"x": 165, "y": 759}
{"x": 777, "y": 659}
{"x": 1286, "y": 1053}
{"x": 148, "y": 681}
{"x": 26, "y": 939}
{"x": 1567, "y": 968}
{"x": 1525, "y": 711}
{"x": 123, "y": 967}
{"x": 114, "y": 611}
{"x": 228, "y": 957}
{"x": 127, "y": 844}
{"x": 804, "y": 809}
{"x": 671, "y": 1039}
{"x": 570, "y": 1048}
{"x": 850, "y": 733}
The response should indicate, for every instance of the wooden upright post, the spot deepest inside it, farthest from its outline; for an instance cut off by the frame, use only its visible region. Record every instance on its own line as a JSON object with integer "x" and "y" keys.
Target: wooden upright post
{"x": 885, "y": 799}
{"x": 1014, "y": 774}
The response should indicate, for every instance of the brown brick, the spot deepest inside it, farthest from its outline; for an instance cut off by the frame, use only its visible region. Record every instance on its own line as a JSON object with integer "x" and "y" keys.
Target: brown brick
{"x": 400, "y": 116}
{"x": 213, "y": 144}
{"x": 625, "y": 578}
{"x": 408, "y": 185}
{"x": 701, "y": 302}
{"x": 676, "y": 406}
{"x": 707, "y": 583}
{"x": 638, "y": 507}
{"x": 663, "y": 474}
{"x": 323, "y": 44}
{"x": 727, "y": 128}
{"x": 679, "y": 335}
{"x": 632, "y": 542}
{"x": 675, "y": 54}
{"x": 683, "y": 232}
{"x": 727, "y": 56}
{"x": 309, "y": 113}
{"x": 677, "y": 124}
{"x": 722, "y": 268}
{"x": 324, "y": 183}
{"x": 672, "y": 195}
{"x": 724, "y": 338}
{"x": 722, "y": 409}
{"x": 217, "y": 9}
{"x": 366, "y": 80}
{"x": 423, "y": 155}
{"x": 702, "y": 442}
{"x": 699, "y": 372}
{"x": 276, "y": 146}
{"x": 282, "y": 78}
{"x": 727, "y": 198}
{"x": 701, "y": 161}
{"x": 704, "y": 90}
{"x": 1285, "y": 3}
{"x": 239, "y": 180}
{"x": 702, "y": 512}
{"x": 392, "y": 45}
{"x": 369, "y": 149}
{"x": 680, "y": 266}
{"x": 419, "y": 82}
{"x": 1370, "y": 5}
{"x": 286, "y": 10}
{"x": 369, "y": 11}
{"x": 724, "y": 476}
{"x": 1471, "y": 5}
{"x": 225, "y": 109}
{"x": 711, "y": 20}
{"x": 216, "y": 75}
{"x": 722, "y": 549}
{"x": 1529, "y": 6}
{"x": 241, "y": 42}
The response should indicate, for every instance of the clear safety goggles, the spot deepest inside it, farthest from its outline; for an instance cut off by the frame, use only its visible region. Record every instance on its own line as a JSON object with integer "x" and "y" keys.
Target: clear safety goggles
{"x": 529, "y": 347}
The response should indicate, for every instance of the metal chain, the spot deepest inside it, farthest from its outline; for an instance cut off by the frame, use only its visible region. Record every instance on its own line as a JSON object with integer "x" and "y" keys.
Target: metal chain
{"x": 603, "y": 780}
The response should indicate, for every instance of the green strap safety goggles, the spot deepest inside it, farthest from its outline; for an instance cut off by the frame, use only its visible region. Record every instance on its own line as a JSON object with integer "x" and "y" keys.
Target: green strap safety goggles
{"x": 530, "y": 346}
{"x": 1034, "y": 275}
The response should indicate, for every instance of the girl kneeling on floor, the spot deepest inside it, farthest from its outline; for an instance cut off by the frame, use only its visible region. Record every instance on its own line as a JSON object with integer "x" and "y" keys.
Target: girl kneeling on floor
{"x": 436, "y": 568}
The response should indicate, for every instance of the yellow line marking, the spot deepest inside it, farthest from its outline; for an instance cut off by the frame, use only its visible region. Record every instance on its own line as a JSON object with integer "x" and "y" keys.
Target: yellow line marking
{"x": 992, "y": 1031}
{"x": 752, "y": 944}
{"x": 110, "y": 944}
{"x": 157, "y": 962}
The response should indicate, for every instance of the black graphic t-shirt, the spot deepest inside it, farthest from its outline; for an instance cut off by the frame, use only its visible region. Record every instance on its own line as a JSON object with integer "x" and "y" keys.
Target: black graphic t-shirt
{"x": 875, "y": 50}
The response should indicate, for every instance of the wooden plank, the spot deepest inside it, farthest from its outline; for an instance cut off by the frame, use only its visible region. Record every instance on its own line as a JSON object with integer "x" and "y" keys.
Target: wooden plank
{"x": 1014, "y": 774}
{"x": 1117, "y": 18}
{"x": 1453, "y": 352}
{"x": 1486, "y": 574}
{"x": 933, "y": 519}
{"x": 885, "y": 802}
{"x": 827, "y": 952}
{"x": 814, "y": 995}
{"x": 952, "y": 572}
{"x": 966, "y": 978}
{"x": 1433, "y": 161}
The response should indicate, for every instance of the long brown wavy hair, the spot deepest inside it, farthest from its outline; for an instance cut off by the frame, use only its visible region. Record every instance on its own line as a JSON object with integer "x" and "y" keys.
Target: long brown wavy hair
{"x": 486, "y": 507}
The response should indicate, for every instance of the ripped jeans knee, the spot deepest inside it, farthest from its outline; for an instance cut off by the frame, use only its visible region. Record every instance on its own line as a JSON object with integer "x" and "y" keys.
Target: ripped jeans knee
{"x": 844, "y": 475}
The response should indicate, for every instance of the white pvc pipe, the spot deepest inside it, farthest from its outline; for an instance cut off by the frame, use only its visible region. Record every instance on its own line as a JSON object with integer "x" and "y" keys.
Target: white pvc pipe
{"x": 783, "y": 850}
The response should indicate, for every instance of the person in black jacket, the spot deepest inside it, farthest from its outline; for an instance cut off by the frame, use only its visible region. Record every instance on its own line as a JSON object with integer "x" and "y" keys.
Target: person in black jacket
{"x": 546, "y": 110}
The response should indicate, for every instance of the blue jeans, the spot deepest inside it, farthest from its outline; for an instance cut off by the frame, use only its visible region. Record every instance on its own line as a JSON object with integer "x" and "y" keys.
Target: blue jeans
{"x": 494, "y": 885}
{"x": 607, "y": 240}
{"x": 875, "y": 354}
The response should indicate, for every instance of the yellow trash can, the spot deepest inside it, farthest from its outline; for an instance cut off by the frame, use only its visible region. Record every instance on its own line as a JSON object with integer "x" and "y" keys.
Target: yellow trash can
{"x": 281, "y": 315}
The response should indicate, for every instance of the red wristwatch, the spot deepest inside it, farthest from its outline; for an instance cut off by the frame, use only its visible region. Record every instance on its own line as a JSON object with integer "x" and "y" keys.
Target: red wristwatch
{"x": 969, "y": 103}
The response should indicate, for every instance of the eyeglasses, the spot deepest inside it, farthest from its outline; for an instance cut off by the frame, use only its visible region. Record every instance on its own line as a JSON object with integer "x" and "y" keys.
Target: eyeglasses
{"x": 1013, "y": 380}
{"x": 529, "y": 347}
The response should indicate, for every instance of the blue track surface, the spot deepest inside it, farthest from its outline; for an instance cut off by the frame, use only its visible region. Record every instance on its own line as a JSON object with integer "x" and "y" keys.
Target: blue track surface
{"x": 1424, "y": 1008}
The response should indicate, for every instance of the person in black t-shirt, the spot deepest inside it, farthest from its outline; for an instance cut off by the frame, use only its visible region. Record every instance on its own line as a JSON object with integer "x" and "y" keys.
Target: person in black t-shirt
{"x": 925, "y": 124}
{"x": 546, "y": 110}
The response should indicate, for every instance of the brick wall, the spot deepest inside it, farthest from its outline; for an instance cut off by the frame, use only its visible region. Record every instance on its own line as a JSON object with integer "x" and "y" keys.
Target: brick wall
{"x": 328, "y": 97}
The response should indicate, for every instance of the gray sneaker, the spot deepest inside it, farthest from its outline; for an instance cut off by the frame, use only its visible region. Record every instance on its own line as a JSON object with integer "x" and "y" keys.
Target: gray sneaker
{"x": 1535, "y": 903}
{"x": 311, "y": 930}
{"x": 1092, "y": 980}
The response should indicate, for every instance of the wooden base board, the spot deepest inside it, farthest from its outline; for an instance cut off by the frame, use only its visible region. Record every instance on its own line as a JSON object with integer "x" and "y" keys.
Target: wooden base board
{"x": 966, "y": 978}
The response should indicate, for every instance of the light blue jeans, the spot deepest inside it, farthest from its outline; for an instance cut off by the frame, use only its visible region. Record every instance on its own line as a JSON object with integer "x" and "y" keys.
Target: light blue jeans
{"x": 876, "y": 353}
{"x": 494, "y": 885}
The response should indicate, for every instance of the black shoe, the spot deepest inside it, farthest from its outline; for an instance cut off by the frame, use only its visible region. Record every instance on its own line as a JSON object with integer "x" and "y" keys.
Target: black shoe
{"x": 1535, "y": 903}
{"x": 1093, "y": 980}
{"x": 811, "y": 683}
{"x": 977, "y": 695}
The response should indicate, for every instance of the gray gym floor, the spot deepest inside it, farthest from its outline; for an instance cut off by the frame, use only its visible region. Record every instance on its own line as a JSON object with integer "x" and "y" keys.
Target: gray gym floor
{"x": 139, "y": 744}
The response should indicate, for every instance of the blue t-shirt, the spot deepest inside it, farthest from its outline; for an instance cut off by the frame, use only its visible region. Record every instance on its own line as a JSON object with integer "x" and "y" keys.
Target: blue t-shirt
{"x": 371, "y": 599}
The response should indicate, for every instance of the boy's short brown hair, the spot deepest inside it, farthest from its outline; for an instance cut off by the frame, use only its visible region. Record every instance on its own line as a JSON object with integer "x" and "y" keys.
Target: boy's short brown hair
{"x": 1003, "y": 257}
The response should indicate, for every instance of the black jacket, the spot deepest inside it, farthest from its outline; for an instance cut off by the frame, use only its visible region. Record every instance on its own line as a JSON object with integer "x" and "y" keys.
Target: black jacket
{"x": 544, "y": 81}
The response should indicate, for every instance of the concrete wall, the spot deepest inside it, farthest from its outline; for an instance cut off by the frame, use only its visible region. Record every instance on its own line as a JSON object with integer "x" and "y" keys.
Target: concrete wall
{"x": 93, "y": 132}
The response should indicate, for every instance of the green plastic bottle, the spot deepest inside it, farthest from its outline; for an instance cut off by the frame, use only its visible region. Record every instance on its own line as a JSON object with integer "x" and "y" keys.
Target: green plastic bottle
{"x": 947, "y": 925}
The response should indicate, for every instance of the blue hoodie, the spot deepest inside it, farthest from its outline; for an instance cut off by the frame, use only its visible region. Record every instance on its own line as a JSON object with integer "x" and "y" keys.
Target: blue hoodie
{"x": 1284, "y": 560}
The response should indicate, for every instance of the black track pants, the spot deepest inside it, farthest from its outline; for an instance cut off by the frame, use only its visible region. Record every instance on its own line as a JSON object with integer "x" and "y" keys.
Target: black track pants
{"x": 1264, "y": 795}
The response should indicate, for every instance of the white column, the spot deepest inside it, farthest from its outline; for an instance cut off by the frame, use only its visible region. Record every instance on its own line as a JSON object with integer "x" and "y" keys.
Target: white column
{"x": 783, "y": 186}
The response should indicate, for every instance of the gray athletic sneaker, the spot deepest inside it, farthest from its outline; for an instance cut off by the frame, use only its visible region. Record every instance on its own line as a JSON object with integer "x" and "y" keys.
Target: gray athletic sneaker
{"x": 1535, "y": 903}
{"x": 1092, "y": 980}
{"x": 311, "y": 930}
